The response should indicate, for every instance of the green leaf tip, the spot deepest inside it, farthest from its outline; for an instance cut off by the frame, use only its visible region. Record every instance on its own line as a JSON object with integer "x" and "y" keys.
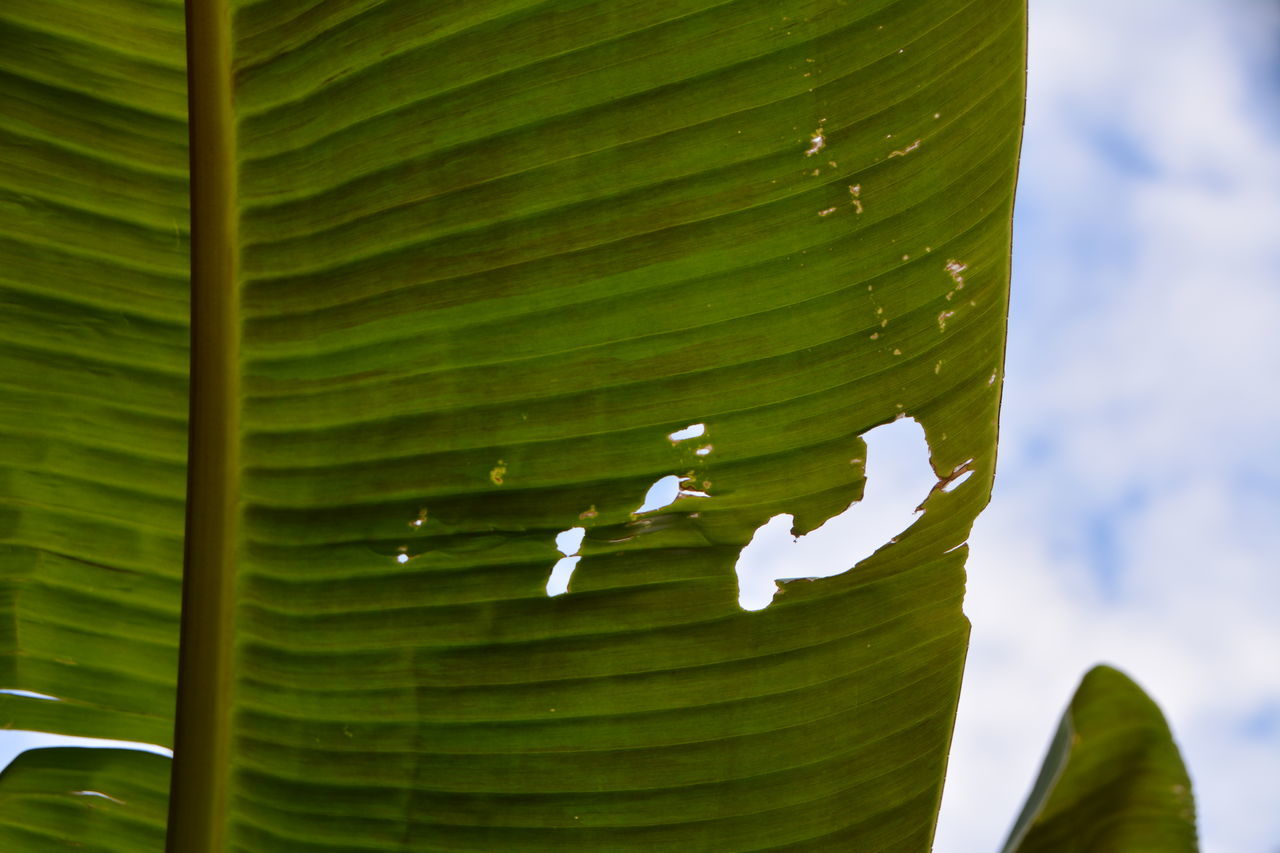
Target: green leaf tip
{"x": 1113, "y": 779}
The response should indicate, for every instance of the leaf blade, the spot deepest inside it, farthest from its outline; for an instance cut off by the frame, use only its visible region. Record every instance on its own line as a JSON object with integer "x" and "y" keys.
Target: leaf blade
{"x": 93, "y": 349}
{"x": 1113, "y": 778}
{"x": 542, "y": 261}
{"x": 102, "y": 800}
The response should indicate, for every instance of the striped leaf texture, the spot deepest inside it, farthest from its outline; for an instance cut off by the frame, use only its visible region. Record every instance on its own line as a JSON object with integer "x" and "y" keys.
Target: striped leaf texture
{"x": 458, "y": 273}
{"x": 1113, "y": 780}
{"x": 56, "y": 799}
{"x": 93, "y": 363}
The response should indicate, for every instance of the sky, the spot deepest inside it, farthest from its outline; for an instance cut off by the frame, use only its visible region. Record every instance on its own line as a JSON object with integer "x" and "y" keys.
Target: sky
{"x": 1136, "y": 511}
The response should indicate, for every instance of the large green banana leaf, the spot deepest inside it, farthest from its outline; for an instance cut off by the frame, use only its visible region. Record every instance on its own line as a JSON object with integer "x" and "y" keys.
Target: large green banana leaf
{"x": 458, "y": 270}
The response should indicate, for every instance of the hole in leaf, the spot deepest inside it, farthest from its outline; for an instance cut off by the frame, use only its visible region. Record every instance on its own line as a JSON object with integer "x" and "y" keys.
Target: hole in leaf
{"x": 898, "y": 475}
{"x": 568, "y": 542}
{"x": 662, "y": 493}
{"x": 951, "y": 484}
{"x": 691, "y": 431}
{"x": 30, "y": 694}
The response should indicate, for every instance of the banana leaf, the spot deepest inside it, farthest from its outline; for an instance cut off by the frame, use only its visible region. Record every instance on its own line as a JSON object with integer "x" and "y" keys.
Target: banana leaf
{"x": 1113, "y": 779}
{"x": 440, "y": 284}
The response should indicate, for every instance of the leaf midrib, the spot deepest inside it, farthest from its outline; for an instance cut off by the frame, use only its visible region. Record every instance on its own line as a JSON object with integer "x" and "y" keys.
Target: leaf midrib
{"x": 202, "y": 738}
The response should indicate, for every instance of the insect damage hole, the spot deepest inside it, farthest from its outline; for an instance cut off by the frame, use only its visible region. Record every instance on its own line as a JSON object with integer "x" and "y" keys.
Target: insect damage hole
{"x": 667, "y": 490}
{"x": 691, "y": 431}
{"x": 951, "y": 484}
{"x": 30, "y": 694}
{"x": 662, "y": 493}
{"x": 898, "y": 475}
{"x": 569, "y": 542}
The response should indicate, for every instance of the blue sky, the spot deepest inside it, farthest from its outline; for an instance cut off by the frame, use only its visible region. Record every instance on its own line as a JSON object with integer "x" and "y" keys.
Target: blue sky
{"x": 1136, "y": 515}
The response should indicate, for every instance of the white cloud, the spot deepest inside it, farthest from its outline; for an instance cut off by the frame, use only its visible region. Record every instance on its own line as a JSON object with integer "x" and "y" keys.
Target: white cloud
{"x": 1134, "y": 513}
